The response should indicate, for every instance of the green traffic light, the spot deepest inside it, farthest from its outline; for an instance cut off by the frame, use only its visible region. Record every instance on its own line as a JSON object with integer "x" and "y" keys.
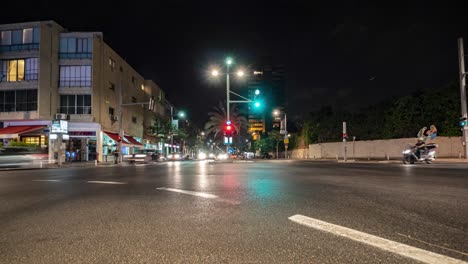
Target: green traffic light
{"x": 257, "y": 92}
{"x": 257, "y": 104}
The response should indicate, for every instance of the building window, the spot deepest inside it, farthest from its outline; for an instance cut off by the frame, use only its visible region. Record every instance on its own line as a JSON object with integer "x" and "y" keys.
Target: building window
{"x": 18, "y": 100}
{"x": 6, "y": 38}
{"x": 15, "y": 70}
{"x": 112, "y": 64}
{"x": 19, "y": 70}
{"x": 75, "y": 76}
{"x": 112, "y": 86}
{"x": 75, "y": 104}
{"x": 76, "y": 48}
{"x": 111, "y": 111}
{"x": 31, "y": 140}
{"x": 142, "y": 87}
{"x": 27, "y": 35}
{"x": 134, "y": 100}
{"x": 133, "y": 80}
{"x": 32, "y": 69}
{"x": 17, "y": 37}
{"x": 134, "y": 119}
{"x": 21, "y": 39}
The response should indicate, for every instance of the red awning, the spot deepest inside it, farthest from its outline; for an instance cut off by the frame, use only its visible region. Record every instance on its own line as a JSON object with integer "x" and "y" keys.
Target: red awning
{"x": 133, "y": 141}
{"x": 115, "y": 137}
{"x": 15, "y": 131}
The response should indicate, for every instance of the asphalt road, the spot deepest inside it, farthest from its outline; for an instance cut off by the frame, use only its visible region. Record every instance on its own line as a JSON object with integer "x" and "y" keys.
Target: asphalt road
{"x": 198, "y": 212}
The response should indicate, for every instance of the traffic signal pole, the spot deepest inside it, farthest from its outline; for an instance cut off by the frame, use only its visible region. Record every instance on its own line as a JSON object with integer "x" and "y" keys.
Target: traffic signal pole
{"x": 228, "y": 117}
{"x": 463, "y": 73}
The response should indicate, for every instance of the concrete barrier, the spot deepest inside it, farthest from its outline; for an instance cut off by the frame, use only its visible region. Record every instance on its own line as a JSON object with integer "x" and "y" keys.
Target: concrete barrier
{"x": 449, "y": 147}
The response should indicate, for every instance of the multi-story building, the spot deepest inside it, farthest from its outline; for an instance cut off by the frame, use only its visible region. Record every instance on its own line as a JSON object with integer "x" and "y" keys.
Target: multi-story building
{"x": 271, "y": 82}
{"x": 47, "y": 72}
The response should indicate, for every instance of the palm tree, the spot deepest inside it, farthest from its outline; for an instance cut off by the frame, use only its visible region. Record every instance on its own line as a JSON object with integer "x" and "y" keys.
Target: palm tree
{"x": 217, "y": 119}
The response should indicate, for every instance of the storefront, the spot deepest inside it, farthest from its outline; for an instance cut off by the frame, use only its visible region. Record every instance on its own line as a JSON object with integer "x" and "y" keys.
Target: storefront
{"x": 130, "y": 145}
{"x": 31, "y": 133}
{"x": 83, "y": 141}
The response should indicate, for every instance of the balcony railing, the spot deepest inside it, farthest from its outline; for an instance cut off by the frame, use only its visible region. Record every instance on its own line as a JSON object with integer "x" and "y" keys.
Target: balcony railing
{"x": 75, "y": 55}
{"x": 20, "y": 47}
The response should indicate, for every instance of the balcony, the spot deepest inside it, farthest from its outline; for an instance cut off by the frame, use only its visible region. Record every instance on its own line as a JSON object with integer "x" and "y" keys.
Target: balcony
{"x": 20, "y": 47}
{"x": 75, "y": 55}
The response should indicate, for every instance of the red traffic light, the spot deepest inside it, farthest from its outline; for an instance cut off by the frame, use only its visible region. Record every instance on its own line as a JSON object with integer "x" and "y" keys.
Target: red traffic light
{"x": 228, "y": 128}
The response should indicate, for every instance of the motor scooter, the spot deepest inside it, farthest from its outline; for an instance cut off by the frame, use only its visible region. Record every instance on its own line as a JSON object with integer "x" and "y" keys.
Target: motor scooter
{"x": 427, "y": 154}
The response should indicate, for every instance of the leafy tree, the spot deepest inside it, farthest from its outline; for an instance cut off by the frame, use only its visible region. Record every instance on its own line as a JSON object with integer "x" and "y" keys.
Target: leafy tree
{"x": 276, "y": 137}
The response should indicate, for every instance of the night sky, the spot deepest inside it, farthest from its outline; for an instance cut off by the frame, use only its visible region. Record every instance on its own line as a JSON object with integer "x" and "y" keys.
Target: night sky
{"x": 346, "y": 55}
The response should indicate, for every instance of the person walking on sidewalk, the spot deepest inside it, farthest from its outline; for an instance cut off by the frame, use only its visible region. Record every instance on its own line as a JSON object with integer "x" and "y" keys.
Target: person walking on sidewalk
{"x": 116, "y": 156}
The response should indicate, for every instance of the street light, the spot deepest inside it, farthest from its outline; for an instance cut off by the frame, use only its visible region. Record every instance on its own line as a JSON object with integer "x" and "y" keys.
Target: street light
{"x": 229, "y": 61}
{"x": 180, "y": 114}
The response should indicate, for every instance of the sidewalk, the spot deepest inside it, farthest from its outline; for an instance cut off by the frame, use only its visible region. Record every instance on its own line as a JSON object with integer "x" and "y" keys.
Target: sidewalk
{"x": 436, "y": 161}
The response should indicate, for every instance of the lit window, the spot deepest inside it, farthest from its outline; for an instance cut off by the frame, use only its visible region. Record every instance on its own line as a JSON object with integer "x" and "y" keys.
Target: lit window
{"x": 15, "y": 70}
{"x": 75, "y": 76}
{"x": 31, "y": 140}
{"x": 27, "y": 35}
{"x": 142, "y": 87}
{"x": 112, "y": 64}
{"x": 32, "y": 69}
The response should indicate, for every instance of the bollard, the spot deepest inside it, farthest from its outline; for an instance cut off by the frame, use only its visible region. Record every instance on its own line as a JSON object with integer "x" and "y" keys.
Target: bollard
{"x": 95, "y": 163}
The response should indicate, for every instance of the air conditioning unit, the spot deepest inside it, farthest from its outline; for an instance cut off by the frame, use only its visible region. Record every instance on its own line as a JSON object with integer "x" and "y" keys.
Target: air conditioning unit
{"x": 61, "y": 117}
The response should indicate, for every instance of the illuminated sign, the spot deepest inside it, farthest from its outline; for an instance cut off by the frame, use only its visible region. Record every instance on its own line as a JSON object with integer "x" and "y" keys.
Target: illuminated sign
{"x": 59, "y": 126}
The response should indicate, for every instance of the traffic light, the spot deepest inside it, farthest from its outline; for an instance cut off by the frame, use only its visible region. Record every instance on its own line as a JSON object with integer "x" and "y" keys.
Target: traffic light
{"x": 228, "y": 130}
{"x": 257, "y": 103}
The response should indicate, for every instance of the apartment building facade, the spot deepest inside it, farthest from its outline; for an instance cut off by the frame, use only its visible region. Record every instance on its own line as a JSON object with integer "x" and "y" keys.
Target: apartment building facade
{"x": 47, "y": 72}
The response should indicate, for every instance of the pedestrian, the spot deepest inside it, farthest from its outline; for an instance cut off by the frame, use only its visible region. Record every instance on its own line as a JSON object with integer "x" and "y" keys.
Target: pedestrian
{"x": 116, "y": 156}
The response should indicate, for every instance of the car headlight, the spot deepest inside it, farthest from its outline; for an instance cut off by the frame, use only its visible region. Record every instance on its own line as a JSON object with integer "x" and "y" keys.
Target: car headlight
{"x": 222, "y": 156}
{"x": 211, "y": 155}
{"x": 202, "y": 155}
{"x": 176, "y": 156}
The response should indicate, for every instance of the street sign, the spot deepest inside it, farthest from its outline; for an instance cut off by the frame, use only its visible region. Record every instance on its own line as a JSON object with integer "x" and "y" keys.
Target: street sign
{"x": 286, "y": 141}
{"x": 60, "y": 126}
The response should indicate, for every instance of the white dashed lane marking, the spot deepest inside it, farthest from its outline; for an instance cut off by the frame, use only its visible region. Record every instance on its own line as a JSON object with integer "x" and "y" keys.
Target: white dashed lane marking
{"x": 107, "y": 182}
{"x": 46, "y": 180}
{"x": 375, "y": 241}
{"x": 199, "y": 194}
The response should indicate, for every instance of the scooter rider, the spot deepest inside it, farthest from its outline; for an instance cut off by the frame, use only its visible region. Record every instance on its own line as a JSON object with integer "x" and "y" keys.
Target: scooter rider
{"x": 419, "y": 146}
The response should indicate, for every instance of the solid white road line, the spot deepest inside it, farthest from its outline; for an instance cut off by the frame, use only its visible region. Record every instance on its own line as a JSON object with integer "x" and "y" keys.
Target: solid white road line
{"x": 107, "y": 182}
{"x": 200, "y": 194}
{"x": 375, "y": 241}
{"x": 46, "y": 180}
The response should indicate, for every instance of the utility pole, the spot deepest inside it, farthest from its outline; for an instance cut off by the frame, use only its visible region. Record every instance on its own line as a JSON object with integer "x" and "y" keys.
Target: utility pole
{"x": 121, "y": 132}
{"x": 461, "y": 60}
{"x": 228, "y": 117}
